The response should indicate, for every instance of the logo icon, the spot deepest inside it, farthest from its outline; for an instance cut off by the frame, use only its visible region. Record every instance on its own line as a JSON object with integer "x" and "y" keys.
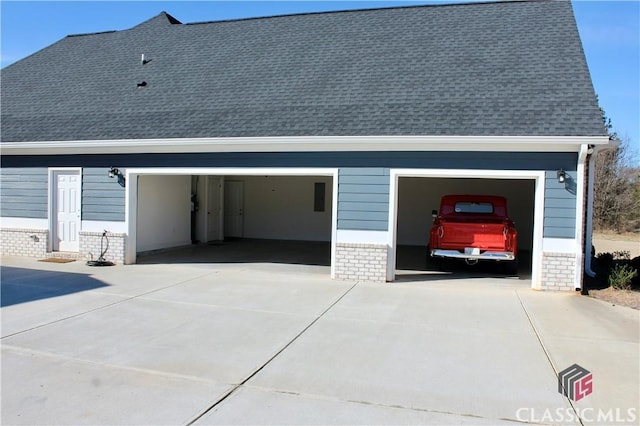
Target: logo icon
{"x": 575, "y": 382}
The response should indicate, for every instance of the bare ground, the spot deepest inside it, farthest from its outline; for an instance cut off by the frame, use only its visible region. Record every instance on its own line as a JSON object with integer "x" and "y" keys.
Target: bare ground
{"x": 628, "y": 298}
{"x": 608, "y": 242}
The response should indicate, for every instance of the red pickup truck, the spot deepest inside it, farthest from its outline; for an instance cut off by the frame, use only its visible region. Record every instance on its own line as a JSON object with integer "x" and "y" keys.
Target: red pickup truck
{"x": 473, "y": 228}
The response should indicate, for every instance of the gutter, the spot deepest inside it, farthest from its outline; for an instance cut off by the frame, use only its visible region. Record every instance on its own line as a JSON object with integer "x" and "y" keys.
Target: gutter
{"x": 303, "y": 144}
{"x": 593, "y": 153}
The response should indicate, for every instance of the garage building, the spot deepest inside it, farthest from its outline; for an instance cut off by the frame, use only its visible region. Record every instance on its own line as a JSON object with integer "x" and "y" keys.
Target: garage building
{"x": 341, "y": 127}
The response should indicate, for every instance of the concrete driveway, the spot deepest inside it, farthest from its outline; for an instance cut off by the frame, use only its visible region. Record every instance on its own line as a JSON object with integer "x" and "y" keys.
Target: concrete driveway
{"x": 284, "y": 344}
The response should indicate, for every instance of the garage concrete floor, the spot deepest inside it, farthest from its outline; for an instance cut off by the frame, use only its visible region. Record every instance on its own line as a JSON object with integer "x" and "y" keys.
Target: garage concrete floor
{"x": 245, "y": 250}
{"x": 269, "y": 343}
{"x": 411, "y": 260}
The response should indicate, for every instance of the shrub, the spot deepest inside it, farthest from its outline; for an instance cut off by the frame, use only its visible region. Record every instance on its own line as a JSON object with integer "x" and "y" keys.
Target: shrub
{"x": 617, "y": 269}
{"x": 621, "y": 275}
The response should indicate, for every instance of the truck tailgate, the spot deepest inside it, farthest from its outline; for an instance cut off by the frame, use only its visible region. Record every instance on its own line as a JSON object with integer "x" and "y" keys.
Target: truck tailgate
{"x": 485, "y": 236}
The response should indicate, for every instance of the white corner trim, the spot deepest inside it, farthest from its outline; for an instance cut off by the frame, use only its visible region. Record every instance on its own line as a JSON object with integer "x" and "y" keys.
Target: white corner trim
{"x": 24, "y": 223}
{"x": 306, "y": 144}
{"x": 131, "y": 217}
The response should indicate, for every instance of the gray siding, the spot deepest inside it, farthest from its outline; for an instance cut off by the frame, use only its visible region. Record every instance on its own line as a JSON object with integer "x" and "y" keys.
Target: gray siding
{"x": 24, "y": 192}
{"x": 364, "y": 180}
{"x": 102, "y": 197}
{"x": 559, "y": 206}
{"x": 363, "y": 199}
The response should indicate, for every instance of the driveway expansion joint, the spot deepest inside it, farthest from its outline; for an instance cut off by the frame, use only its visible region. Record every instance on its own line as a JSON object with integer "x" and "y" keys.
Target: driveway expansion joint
{"x": 547, "y": 355}
{"x": 373, "y": 404}
{"x": 260, "y": 368}
{"x": 108, "y": 305}
{"x": 149, "y": 371}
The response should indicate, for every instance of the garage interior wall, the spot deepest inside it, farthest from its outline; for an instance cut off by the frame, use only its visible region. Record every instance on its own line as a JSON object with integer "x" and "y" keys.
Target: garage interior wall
{"x": 164, "y": 212}
{"x": 418, "y": 196}
{"x": 282, "y": 207}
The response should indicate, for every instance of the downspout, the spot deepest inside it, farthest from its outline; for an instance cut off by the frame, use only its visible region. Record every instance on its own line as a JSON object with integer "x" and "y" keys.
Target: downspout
{"x": 593, "y": 153}
{"x": 583, "y": 158}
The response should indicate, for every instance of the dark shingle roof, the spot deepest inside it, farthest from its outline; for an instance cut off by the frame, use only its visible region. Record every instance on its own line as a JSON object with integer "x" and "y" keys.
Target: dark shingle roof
{"x": 504, "y": 68}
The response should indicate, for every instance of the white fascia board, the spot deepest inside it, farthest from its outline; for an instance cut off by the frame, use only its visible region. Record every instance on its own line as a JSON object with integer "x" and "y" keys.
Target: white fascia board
{"x": 306, "y": 144}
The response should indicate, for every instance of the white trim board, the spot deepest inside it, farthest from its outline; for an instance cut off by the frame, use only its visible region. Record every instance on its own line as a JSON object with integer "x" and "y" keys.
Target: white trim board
{"x": 537, "y": 176}
{"x": 233, "y": 171}
{"x": 559, "y": 245}
{"x": 111, "y": 227}
{"x": 307, "y": 144}
{"x": 362, "y": 237}
{"x": 24, "y": 223}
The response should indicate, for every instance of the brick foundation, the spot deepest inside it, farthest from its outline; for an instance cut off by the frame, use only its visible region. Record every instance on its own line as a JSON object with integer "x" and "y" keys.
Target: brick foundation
{"x": 24, "y": 242}
{"x": 363, "y": 262}
{"x": 90, "y": 246}
{"x": 558, "y": 271}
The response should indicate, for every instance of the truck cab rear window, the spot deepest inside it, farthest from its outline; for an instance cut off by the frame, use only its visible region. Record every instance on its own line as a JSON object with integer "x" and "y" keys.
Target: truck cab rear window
{"x": 470, "y": 207}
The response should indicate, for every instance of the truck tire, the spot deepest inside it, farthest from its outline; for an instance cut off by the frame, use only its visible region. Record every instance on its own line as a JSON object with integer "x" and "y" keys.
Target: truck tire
{"x": 511, "y": 267}
{"x": 433, "y": 262}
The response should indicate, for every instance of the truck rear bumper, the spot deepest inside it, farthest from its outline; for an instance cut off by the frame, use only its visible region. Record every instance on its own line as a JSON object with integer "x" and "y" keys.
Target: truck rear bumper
{"x": 474, "y": 254}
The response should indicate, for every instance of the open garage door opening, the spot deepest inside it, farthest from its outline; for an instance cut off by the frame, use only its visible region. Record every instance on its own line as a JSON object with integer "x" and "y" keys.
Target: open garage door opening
{"x": 206, "y": 218}
{"x": 419, "y": 196}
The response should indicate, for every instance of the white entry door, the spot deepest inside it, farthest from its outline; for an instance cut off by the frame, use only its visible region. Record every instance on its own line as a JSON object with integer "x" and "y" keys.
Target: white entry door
{"x": 213, "y": 208}
{"x": 66, "y": 210}
{"x": 233, "y": 208}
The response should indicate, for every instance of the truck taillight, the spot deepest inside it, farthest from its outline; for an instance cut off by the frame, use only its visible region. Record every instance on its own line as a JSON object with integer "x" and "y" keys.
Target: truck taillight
{"x": 440, "y": 231}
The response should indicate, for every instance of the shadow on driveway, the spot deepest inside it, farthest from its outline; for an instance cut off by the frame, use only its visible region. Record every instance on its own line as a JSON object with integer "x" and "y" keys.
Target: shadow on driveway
{"x": 21, "y": 285}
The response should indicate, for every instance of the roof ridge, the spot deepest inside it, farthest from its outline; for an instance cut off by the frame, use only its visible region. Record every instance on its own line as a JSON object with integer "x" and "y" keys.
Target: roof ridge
{"x": 160, "y": 18}
{"x": 95, "y": 33}
{"x": 373, "y": 9}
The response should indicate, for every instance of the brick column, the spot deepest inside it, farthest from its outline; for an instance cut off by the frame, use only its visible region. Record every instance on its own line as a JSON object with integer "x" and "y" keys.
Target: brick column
{"x": 558, "y": 271}
{"x": 90, "y": 246}
{"x": 362, "y": 262}
{"x": 24, "y": 242}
